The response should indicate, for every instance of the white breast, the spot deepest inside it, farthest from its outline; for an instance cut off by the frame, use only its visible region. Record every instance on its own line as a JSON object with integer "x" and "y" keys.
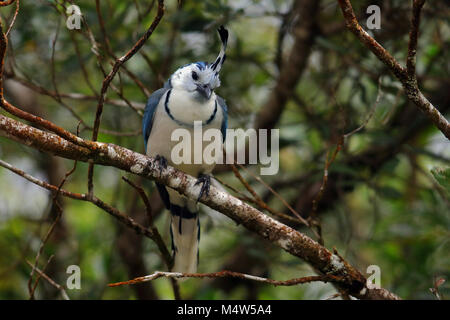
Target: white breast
{"x": 185, "y": 109}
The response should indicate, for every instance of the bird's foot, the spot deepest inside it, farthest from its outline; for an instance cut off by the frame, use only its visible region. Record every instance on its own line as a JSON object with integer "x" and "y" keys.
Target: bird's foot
{"x": 162, "y": 163}
{"x": 205, "y": 180}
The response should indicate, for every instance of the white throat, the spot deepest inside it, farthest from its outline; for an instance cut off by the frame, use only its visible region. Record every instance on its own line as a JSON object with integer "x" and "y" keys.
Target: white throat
{"x": 185, "y": 108}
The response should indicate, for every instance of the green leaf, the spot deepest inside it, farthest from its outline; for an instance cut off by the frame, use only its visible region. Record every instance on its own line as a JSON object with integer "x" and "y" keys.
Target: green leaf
{"x": 442, "y": 176}
{"x": 390, "y": 193}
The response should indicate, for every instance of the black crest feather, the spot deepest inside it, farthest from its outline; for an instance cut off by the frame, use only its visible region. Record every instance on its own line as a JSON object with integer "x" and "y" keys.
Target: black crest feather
{"x": 217, "y": 65}
{"x": 223, "y": 33}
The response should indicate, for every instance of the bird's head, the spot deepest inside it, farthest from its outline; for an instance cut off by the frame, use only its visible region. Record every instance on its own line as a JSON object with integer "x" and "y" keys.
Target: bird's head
{"x": 201, "y": 78}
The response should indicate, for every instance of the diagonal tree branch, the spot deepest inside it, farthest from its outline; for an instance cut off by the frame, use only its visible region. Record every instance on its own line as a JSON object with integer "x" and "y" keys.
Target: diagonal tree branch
{"x": 406, "y": 76}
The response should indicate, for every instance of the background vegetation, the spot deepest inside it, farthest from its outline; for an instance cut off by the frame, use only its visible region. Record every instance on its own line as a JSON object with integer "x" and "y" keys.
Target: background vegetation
{"x": 381, "y": 205}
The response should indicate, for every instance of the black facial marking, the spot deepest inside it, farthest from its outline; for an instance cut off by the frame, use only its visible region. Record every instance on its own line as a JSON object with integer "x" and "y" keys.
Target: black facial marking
{"x": 194, "y": 75}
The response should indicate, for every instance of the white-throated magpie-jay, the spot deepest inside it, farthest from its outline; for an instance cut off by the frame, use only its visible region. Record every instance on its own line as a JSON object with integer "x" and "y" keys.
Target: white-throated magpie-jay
{"x": 187, "y": 97}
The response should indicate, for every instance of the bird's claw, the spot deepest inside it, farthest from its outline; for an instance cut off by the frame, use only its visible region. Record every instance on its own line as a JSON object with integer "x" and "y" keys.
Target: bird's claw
{"x": 205, "y": 180}
{"x": 162, "y": 163}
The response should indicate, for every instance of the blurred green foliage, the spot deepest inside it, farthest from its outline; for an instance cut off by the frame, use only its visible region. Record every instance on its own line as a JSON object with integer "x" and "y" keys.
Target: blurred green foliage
{"x": 390, "y": 205}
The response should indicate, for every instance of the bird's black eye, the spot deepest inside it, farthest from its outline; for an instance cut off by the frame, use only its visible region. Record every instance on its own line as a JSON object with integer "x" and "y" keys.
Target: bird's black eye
{"x": 194, "y": 75}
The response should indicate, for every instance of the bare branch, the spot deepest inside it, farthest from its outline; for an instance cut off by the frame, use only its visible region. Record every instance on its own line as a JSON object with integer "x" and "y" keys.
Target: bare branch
{"x": 262, "y": 204}
{"x": 6, "y": 3}
{"x": 76, "y": 96}
{"x": 31, "y": 290}
{"x": 226, "y": 273}
{"x": 276, "y": 194}
{"x": 14, "y": 18}
{"x": 49, "y": 280}
{"x": 107, "y": 43}
{"x": 119, "y": 62}
{"x": 413, "y": 37}
{"x": 108, "y": 79}
{"x": 144, "y": 198}
{"x": 157, "y": 238}
{"x": 406, "y": 77}
{"x": 371, "y": 112}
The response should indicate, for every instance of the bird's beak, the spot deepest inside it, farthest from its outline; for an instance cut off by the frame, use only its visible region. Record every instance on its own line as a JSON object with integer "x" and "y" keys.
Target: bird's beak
{"x": 204, "y": 90}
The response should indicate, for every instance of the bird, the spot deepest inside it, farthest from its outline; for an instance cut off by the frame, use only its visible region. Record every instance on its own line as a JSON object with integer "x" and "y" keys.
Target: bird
{"x": 187, "y": 96}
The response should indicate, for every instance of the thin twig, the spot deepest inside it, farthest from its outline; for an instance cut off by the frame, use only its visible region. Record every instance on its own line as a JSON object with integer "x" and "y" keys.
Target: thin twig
{"x": 49, "y": 280}
{"x": 108, "y": 79}
{"x": 239, "y": 194}
{"x": 109, "y": 50}
{"x": 261, "y": 203}
{"x": 315, "y": 221}
{"x": 41, "y": 248}
{"x": 225, "y": 274}
{"x": 143, "y": 195}
{"x": 119, "y": 62}
{"x": 52, "y": 64}
{"x": 413, "y": 37}
{"x": 371, "y": 112}
{"x": 38, "y": 278}
{"x": 276, "y": 194}
{"x": 14, "y": 18}
{"x": 157, "y": 238}
{"x": 59, "y": 214}
{"x": 6, "y": 3}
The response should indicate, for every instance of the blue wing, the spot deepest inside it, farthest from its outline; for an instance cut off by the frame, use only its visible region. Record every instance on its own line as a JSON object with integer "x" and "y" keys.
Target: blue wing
{"x": 149, "y": 113}
{"x": 224, "y": 126}
{"x": 147, "y": 123}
